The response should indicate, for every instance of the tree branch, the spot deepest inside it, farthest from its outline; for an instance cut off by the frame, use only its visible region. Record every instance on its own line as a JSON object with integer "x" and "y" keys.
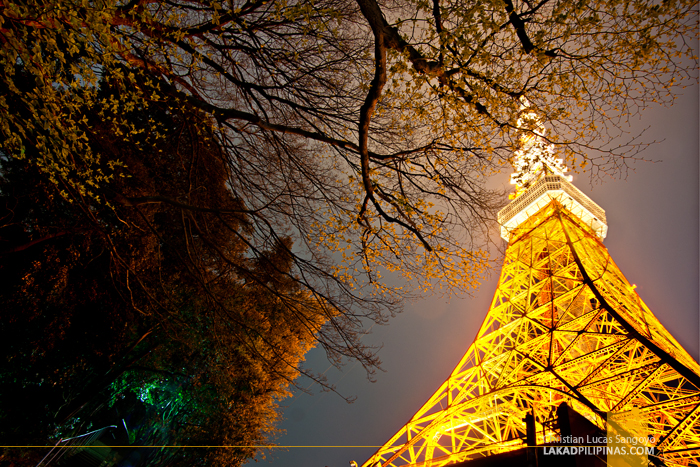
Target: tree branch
{"x": 43, "y": 239}
{"x": 519, "y": 26}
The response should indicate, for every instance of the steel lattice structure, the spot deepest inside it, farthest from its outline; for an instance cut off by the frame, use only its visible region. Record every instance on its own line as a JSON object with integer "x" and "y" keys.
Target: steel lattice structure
{"x": 564, "y": 326}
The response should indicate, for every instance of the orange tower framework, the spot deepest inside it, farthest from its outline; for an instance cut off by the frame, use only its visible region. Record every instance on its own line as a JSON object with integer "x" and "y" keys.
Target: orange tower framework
{"x": 565, "y": 326}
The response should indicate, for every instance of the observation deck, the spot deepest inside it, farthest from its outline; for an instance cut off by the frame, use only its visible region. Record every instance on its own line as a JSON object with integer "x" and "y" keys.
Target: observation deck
{"x": 547, "y": 188}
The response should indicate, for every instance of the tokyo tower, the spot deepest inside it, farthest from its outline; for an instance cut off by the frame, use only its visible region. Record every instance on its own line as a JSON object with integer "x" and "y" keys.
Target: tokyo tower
{"x": 565, "y": 333}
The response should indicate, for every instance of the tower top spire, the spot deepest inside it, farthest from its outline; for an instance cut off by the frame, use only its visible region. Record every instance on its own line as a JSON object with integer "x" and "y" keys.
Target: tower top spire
{"x": 539, "y": 178}
{"x": 535, "y": 156}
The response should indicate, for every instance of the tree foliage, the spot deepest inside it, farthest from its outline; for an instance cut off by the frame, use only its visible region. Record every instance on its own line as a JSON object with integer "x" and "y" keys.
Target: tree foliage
{"x": 144, "y": 297}
{"x": 364, "y": 131}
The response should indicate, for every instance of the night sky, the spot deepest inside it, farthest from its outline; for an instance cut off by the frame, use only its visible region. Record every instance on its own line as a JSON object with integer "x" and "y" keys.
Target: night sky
{"x": 653, "y": 237}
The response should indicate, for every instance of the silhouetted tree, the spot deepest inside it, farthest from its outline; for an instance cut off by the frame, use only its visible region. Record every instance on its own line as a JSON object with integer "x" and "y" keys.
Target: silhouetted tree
{"x": 361, "y": 129}
{"x": 138, "y": 295}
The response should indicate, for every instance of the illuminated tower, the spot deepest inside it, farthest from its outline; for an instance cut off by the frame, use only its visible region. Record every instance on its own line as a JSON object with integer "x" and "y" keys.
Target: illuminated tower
{"x": 564, "y": 326}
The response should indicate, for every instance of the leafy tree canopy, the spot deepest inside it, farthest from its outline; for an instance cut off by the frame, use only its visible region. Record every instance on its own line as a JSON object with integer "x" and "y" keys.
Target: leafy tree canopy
{"x": 152, "y": 311}
{"x": 363, "y": 130}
